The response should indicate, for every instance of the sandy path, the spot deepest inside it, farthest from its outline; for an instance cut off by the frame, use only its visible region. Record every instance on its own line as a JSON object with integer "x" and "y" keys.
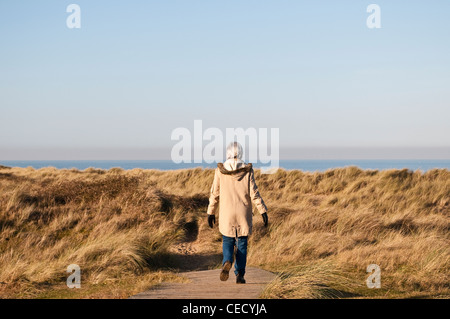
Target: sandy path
{"x": 202, "y": 267}
{"x": 205, "y": 284}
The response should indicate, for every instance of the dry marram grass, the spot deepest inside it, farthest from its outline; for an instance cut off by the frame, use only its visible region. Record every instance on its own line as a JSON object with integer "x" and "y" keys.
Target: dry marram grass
{"x": 325, "y": 228}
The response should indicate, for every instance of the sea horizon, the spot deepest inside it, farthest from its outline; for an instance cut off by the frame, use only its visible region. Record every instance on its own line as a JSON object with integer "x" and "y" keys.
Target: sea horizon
{"x": 310, "y": 165}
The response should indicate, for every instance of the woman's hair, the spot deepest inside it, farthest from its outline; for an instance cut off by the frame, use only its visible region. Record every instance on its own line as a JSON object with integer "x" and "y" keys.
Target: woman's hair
{"x": 234, "y": 150}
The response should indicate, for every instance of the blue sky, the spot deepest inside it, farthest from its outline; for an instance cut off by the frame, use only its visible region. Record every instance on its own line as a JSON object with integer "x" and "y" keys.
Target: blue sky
{"x": 136, "y": 70}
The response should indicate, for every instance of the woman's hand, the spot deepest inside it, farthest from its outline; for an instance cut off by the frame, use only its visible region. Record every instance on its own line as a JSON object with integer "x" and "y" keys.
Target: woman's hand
{"x": 265, "y": 219}
{"x": 211, "y": 220}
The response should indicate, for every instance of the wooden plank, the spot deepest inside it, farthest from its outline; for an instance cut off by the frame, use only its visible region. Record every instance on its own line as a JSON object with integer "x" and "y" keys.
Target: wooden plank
{"x": 206, "y": 285}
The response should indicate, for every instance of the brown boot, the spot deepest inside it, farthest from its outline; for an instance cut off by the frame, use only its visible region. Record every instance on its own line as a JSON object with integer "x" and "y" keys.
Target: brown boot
{"x": 224, "y": 274}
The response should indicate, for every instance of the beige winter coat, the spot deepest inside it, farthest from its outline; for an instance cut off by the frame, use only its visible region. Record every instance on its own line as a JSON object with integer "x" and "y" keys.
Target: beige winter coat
{"x": 234, "y": 184}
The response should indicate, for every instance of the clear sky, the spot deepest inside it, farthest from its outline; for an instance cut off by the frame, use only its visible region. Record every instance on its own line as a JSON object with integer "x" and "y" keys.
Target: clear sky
{"x": 136, "y": 70}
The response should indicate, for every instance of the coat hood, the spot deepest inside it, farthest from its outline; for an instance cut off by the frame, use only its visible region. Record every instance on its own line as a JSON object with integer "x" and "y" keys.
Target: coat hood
{"x": 238, "y": 172}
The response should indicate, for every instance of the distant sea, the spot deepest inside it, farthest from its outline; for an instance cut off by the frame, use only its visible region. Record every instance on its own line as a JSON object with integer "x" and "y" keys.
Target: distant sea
{"x": 304, "y": 165}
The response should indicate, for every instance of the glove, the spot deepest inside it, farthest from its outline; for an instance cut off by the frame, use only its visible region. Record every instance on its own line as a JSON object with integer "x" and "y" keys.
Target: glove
{"x": 265, "y": 219}
{"x": 211, "y": 220}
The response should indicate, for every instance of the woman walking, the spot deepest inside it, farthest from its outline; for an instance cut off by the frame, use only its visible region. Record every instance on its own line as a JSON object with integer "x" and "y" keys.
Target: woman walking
{"x": 234, "y": 185}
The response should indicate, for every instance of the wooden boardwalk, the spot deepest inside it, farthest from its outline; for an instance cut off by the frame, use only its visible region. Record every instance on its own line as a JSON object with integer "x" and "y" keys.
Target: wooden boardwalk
{"x": 205, "y": 284}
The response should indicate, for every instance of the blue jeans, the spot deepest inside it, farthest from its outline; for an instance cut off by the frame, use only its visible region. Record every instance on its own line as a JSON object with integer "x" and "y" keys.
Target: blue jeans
{"x": 228, "y": 244}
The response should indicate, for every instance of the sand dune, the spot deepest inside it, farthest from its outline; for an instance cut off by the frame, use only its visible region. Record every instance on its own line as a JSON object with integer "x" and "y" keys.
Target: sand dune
{"x": 130, "y": 230}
